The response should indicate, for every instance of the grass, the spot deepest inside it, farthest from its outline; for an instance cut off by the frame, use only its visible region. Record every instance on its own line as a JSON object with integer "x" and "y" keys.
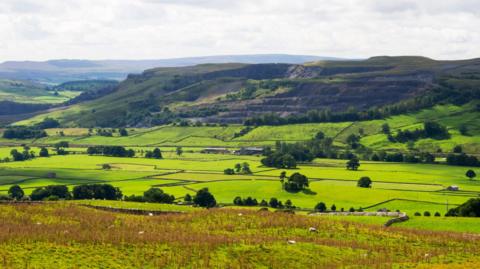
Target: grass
{"x": 73, "y": 236}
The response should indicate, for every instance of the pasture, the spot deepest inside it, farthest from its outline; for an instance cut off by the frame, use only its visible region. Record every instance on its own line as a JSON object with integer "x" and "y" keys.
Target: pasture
{"x": 396, "y": 186}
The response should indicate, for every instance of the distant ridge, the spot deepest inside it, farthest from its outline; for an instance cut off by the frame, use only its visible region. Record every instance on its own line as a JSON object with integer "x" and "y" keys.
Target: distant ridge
{"x": 62, "y": 70}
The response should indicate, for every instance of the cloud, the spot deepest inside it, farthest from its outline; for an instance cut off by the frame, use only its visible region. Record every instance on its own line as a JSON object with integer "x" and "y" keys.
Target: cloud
{"x": 121, "y": 29}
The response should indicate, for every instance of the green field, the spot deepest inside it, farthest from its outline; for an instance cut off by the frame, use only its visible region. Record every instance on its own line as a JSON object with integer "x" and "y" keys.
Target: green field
{"x": 406, "y": 187}
{"x": 448, "y": 115}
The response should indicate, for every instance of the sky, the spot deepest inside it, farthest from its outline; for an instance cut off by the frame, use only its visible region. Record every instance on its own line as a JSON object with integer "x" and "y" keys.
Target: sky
{"x": 157, "y": 29}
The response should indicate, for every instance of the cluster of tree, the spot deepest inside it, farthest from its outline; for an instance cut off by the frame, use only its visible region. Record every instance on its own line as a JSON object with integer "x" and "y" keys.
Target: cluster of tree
{"x": 274, "y": 202}
{"x": 462, "y": 160}
{"x": 322, "y": 207}
{"x": 47, "y": 123}
{"x": 23, "y": 132}
{"x": 240, "y": 168}
{"x": 22, "y": 156}
{"x": 423, "y": 157}
{"x": 470, "y": 208}
{"x": 204, "y": 198}
{"x": 61, "y": 147}
{"x": 152, "y": 195}
{"x": 353, "y": 164}
{"x": 52, "y": 192}
{"x": 294, "y": 183}
{"x": 114, "y": 151}
{"x": 97, "y": 191}
{"x": 243, "y": 131}
{"x": 426, "y": 214}
{"x": 430, "y": 130}
{"x": 156, "y": 153}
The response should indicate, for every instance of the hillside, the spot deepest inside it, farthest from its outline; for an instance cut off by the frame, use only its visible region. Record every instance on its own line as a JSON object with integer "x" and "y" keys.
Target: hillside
{"x": 231, "y": 93}
{"x": 59, "y": 71}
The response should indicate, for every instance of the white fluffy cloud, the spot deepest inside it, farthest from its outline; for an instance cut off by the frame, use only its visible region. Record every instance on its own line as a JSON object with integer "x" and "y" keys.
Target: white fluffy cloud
{"x": 140, "y": 29}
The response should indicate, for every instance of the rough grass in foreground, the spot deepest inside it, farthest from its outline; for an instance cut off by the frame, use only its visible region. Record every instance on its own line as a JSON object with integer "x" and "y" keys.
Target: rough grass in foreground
{"x": 68, "y": 236}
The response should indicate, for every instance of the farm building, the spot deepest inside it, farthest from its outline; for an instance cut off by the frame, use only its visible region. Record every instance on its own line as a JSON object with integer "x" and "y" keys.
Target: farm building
{"x": 216, "y": 150}
{"x": 249, "y": 151}
{"x": 452, "y": 188}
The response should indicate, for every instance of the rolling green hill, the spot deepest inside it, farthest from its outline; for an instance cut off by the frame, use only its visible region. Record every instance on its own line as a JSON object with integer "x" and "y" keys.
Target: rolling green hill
{"x": 231, "y": 93}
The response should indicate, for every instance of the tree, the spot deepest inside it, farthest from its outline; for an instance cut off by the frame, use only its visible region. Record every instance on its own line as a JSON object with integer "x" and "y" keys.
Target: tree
{"x": 156, "y": 195}
{"x": 273, "y": 202}
{"x": 246, "y": 169}
{"x": 470, "y": 174}
{"x": 157, "y": 154}
{"x": 187, "y": 198}
{"x": 463, "y": 129}
{"x": 179, "y": 151}
{"x": 364, "y": 182}
{"x": 296, "y": 182}
{"x": 43, "y": 152}
{"x": 16, "y": 192}
{"x": 283, "y": 175}
{"x": 204, "y": 198}
{"x": 320, "y": 207}
{"x": 320, "y": 135}
{"x": 333, "y": 208}
{"x": 470, "y": 208}
{"x": 386, "y": 128}
{"x": 353, "y": 141}
{"x": 238, "y": 201}
{"x": 457, "y": 149}
{"x": 353, "y": 164}
{"x": 229, "y": 171}
{"x": 238, "y": 167}
{"x": 288, "y": 161}
{"x": 123, "y": 132}
{"x": 288, "y": 204}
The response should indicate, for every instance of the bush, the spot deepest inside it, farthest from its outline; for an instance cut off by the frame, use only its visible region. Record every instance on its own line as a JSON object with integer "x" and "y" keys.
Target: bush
{"x": 417, "y": 214}
{"x": 437, "y": 214}
{"x": 426, "y": 214}
{"x": 470, "y": 208}
{"x": 351, "y": 209}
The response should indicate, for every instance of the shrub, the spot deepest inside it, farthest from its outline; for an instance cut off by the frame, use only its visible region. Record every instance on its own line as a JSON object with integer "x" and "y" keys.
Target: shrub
{"x": 426, "y": 214}
{"x": 417, "y": 214}
{"x": 351, "y": 209}
{"x": 437, "y": 214}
